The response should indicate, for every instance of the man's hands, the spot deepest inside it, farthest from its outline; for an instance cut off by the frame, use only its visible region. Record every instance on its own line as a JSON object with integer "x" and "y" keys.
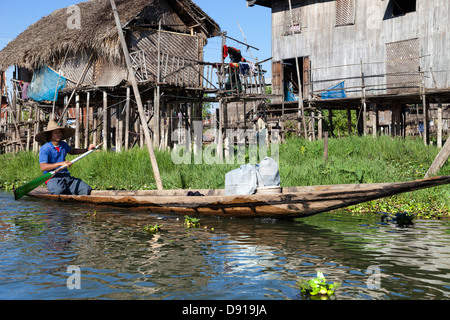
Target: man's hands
{"x": 53, "y": 166}
{"x": 66, "y": 163}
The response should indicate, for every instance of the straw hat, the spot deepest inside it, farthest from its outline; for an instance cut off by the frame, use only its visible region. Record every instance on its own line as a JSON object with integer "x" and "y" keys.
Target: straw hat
{"x": 43, "y": 136}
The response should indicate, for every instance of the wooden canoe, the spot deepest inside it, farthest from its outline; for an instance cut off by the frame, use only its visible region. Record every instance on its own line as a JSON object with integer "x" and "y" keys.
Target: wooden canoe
{"x": 292, "y": 202}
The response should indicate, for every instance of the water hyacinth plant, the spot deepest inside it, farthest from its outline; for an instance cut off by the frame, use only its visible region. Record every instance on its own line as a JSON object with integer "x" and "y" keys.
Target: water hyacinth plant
{"x": 318, "y": 286}
{"x": 152, "y": 229}
{"x": 191, "y": 222}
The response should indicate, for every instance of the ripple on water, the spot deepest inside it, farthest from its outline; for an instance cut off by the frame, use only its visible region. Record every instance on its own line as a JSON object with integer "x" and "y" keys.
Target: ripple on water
{"x": 241, "y": 259}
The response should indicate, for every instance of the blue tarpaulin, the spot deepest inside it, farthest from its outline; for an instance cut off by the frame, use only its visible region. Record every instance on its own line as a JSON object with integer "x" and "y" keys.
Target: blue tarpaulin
{"x": 334, "y": 92}
{"x": 45, "y": 85}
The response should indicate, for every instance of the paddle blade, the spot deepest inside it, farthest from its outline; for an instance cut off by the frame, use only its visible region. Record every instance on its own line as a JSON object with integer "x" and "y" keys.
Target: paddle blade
{"x": 30, "y": 186}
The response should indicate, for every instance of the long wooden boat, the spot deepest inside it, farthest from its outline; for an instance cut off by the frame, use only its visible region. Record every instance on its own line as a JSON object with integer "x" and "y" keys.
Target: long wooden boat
{"x": 290, "y": 202}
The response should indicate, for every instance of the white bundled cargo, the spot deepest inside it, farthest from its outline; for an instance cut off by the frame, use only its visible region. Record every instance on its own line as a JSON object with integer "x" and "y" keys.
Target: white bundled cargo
{"x": 269, "y": 173}
{"x": 248, "y": 179}
{"x": 242, "y": 181}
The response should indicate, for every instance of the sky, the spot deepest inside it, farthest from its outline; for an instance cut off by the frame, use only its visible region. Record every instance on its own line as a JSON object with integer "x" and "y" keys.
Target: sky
{"x": 255, "y": 23}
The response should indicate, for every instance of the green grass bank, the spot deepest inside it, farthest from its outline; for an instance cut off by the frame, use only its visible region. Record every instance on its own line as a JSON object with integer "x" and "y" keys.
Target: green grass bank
{"x": 352, "y": 159}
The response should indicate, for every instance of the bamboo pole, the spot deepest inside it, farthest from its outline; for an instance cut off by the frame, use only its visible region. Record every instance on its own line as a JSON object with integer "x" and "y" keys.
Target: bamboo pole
{"x": 138, "y": 98}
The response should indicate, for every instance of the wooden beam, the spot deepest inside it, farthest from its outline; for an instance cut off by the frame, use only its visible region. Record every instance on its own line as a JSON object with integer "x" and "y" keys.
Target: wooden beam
{"x": 138, "y": 98}
{"x": 440, "y": 160}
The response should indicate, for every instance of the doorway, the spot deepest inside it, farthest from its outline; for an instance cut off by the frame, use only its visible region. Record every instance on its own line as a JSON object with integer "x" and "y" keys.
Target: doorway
{"x": 291, "y": 79}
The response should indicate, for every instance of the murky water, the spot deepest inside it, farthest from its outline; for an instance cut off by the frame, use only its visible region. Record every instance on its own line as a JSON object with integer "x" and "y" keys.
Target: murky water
{"x": 240, "y": 259}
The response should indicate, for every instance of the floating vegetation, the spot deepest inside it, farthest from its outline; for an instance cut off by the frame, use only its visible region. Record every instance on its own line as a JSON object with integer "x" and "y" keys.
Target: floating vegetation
{"x": 92, "y": 214}
{"x": 318, "y": 286}
{"x": 152, "y": 229}
{"x": 191, "y": 222}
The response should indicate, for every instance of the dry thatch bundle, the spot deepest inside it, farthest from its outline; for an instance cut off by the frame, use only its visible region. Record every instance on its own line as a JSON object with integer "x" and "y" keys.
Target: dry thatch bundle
{"x": 49, "y": 40}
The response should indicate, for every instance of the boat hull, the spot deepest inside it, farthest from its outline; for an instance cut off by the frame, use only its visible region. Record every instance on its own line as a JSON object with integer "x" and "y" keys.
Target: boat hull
{"x": 293, "y": 202}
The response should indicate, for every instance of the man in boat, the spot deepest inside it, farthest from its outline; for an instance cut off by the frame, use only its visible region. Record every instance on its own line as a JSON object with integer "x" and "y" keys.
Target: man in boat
{"x": 52, "y": 155}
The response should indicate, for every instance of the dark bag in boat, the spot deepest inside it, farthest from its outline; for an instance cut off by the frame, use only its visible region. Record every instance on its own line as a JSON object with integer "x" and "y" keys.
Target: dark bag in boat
{"x": 194, "y": 194}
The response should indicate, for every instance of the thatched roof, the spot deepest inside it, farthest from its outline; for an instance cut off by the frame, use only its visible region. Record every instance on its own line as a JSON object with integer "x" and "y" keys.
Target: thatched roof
{"x": 49, "y": 39}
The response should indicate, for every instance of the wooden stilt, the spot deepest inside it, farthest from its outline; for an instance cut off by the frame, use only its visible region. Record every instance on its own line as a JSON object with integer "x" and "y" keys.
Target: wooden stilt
{"x": 156, "y": 117}
{"x": 426, "y": 138}
{"x": 439, "y": 125}
{"x": 64, "y": 114}
{"x": 119, "y": 128}
{"x": 77, "y": 121}
{"x": 37, "y": 128}
{"x": 95, "y": 124}
{"x": 127, "y": 119}
{"x": 349, "y": 120}
{"x": 330, "y": 119}
{"x": 320, "y": 125}
{"x": 220, "y": 137}
{"x": 325, "y": 149}
{"x": 106, "y": 127}
{"x": 313, "y": 124}
{"x": 87, "y": 120}
{"x": 374, "y": 120}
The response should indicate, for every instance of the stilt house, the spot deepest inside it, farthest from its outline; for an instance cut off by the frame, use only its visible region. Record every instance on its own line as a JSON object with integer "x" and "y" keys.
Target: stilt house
{"x": 370, "y": 56}
{"x": 77, "y": 51}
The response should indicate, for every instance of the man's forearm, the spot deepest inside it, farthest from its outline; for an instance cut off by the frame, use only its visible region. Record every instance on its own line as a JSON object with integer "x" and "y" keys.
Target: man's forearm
{"x": 77, "y": 151}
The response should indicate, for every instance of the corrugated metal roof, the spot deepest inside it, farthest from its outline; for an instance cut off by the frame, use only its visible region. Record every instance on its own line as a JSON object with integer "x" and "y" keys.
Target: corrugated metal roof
{"x": 73, "y": 69}
{"x": 109, "y": 75}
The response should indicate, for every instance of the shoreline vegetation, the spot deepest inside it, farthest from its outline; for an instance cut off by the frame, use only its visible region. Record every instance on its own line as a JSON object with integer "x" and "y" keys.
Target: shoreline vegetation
{"x": 351, "y": 160}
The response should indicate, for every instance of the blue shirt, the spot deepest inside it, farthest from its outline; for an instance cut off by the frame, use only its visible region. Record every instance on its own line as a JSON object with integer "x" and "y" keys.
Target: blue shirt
{"x": 49, "y": 154}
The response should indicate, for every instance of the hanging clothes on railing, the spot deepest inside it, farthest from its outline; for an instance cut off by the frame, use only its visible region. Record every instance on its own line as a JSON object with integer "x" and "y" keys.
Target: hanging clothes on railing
{"x": 245, "y": 68}
{"x": 225, "y": 51}
{"x": 24, "y": 86}
{"x": 233, "y": 81}
{"x": 235, "y": 55}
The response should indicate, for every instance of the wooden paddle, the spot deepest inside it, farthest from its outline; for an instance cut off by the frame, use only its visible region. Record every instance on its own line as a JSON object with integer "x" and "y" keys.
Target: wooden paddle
{"x": 30, "y": 186}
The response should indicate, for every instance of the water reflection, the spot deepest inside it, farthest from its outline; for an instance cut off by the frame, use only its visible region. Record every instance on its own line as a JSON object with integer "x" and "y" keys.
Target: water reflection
{"x": 241, "y": 259}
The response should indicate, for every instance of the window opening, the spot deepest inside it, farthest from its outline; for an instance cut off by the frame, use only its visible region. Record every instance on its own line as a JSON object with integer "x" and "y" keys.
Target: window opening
{"x": 402, "y": 7}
